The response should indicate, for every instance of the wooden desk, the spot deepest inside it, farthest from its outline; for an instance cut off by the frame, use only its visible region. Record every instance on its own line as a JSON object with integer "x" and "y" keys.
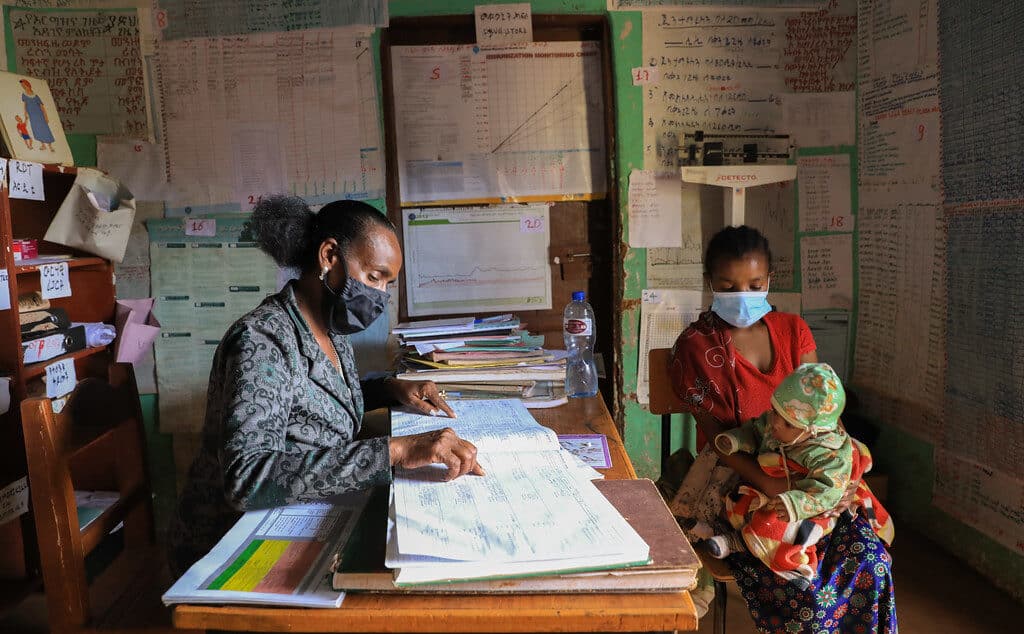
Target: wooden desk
{"x": 478, "y": 613}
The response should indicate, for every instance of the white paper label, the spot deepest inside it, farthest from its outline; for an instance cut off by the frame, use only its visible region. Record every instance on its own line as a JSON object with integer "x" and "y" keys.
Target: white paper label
{"x": 200, "y": 227}
{"x": 60, "y": 378}
{"x": 26, "y": 180}
{"x": 501, "y": 24}
{"x": 54, "y": 281}
{"x": 646, "y": 75}
{"x": 3, "y": 173}
{"x": 5, "y": 290}
{"x": 531, "y": 224}
{"x": 13, "y": 500}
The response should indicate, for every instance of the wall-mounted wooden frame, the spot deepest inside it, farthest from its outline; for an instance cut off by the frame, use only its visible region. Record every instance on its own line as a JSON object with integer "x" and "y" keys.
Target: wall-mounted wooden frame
{"x": 585, "y": 235}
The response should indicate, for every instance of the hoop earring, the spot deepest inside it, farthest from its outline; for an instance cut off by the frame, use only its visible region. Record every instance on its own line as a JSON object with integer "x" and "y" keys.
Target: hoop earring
{"x": 324, "y": 272}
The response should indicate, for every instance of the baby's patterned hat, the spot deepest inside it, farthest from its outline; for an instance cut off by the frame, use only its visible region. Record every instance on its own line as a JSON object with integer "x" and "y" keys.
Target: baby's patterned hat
{"x": 811, "y": 398}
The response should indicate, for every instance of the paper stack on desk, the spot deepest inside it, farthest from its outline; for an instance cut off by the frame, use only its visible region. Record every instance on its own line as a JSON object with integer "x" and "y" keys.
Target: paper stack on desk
{"x": 536, "y": 511}
{"x": 482, "y": 359}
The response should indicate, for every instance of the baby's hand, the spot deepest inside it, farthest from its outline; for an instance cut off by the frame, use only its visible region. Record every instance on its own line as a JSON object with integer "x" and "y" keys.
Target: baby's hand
{"x": 777, "y": 506}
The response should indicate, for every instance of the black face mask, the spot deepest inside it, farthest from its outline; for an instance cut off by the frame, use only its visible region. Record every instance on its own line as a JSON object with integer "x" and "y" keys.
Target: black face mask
{"x": 354, "y": 309}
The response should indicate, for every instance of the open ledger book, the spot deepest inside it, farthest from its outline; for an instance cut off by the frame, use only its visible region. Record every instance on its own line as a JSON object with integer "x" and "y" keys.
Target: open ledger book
{"x": 534, "y": 513}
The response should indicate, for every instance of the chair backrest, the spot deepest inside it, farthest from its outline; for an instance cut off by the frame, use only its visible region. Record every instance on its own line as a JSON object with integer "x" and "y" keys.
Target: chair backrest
{"x": 663, "y": 399}
{"x": 96, "y": 442}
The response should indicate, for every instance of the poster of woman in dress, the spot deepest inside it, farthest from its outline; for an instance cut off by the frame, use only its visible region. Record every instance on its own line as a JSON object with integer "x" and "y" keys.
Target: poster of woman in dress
{"x": 31, "y": 124}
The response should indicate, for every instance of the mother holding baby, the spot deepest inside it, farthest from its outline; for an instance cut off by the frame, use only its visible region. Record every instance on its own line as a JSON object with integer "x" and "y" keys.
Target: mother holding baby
{"x": 725, "y": 367}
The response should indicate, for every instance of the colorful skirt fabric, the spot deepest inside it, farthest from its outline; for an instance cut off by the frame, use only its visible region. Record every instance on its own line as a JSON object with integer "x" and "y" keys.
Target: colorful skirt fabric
{"x": 852, "y": 594}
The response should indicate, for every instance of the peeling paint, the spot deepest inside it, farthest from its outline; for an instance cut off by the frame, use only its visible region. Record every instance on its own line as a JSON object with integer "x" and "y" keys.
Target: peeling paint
{"x": 627, "y": 28}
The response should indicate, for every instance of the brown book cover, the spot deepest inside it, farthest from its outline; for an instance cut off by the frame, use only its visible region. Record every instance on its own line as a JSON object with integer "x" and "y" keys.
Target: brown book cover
{"x": 673, "y": 564}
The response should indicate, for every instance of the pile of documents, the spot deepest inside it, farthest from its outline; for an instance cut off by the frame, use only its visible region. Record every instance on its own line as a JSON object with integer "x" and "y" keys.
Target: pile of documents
{"x": 536, "y": 512}
{"x": 487, "y": 358}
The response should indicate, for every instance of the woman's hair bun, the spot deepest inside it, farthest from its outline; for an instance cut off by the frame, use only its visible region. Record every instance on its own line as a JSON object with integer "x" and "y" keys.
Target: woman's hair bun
{"x": 283, "y": 227}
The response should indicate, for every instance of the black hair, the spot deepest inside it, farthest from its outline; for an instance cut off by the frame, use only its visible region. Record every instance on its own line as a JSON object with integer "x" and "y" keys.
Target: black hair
{"x": 733, "y": 243}
{"x": 287, "y": 230}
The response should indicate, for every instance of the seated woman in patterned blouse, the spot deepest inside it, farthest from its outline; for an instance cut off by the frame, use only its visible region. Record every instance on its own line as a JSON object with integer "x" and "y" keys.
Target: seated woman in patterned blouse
{"x": 285, "y": 402}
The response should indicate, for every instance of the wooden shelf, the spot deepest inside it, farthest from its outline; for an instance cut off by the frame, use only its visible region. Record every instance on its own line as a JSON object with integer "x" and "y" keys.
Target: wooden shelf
{"x": 34, "y": 370}
{"x": 73, "y": 263}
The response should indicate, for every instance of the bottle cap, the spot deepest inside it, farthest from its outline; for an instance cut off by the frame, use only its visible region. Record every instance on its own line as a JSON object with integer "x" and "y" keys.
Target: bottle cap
{"x": 579, "y": 296}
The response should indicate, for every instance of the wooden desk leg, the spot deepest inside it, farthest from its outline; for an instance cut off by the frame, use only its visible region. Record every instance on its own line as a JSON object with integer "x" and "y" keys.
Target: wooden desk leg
{"x": 666, "y": 435}
{"x": 721, "y": 594}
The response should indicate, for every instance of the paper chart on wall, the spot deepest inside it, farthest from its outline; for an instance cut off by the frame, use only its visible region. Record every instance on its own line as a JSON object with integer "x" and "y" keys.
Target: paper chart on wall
{"x": 771, "y": 210}
{"x": 984, "y": 402}
{"x": 92, "y": 61}
{"x": 477, "y": 259}
{"x": 183, "y": 19}
{"x": 138, "y": 164}
{"x": 520, "y": 123}
{"x": 201, "y": 285}
{"x": 664, "y": 313}
{"x": 657, "y": 5}
{"x": 655, "y": 210}
{"x": 682, "y": 267}
{"x": 304, "y": 102}
{"x": 820, "y": 119}
{"x": 901, "y": 314}
{"x": 725, "y": 72}
{"x": 826, "y": 269}
{"x": 823, "y": 184}
{"x": 831, "y": 332}
{"x": 898, "y": 109}
{"x": 988, "y": 499}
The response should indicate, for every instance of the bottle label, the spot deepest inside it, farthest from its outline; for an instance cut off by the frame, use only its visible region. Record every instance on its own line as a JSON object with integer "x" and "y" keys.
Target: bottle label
{"x": 578, "y": 326}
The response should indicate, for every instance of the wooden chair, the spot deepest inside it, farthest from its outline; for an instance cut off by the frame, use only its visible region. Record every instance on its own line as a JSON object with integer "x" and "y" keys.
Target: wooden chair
{"x": 663, "y": 401}
{"x": 95, "y": 443}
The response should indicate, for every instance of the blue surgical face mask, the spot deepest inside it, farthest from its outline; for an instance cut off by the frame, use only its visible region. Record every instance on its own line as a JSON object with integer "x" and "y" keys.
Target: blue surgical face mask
{"x": 741, "y": 309}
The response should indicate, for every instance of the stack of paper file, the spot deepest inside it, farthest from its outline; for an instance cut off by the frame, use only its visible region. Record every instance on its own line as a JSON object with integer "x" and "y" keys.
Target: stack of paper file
{"x": 473, "y": 358}
{"x": 535, "y": 512}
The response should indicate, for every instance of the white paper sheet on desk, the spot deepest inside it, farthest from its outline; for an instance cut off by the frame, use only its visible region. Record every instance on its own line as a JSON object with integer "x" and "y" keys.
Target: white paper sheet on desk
{"x": 412, "y": 570}
{"x": 529, "y": 506}
{"x": 492, "y": 425}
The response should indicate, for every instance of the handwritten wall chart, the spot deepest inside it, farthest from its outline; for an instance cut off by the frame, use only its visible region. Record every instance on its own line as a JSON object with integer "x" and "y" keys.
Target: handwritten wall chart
{"x": 981, "y": 126}
{"x": 899, "y": 103}
{"x": 298, "y": 109}
{"x": 92, "y": 62}
{"x": 901, "y": 329}
{"x": 536, "y": 131}
{"x": 179, "y": 19}
{"x": 983, "y": 497}
{"x": 901, "y": 315}
{"x": 726, "y": 71}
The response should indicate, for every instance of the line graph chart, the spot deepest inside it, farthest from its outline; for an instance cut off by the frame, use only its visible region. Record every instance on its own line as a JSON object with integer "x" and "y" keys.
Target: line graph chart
{"x": 476, "y": 259}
